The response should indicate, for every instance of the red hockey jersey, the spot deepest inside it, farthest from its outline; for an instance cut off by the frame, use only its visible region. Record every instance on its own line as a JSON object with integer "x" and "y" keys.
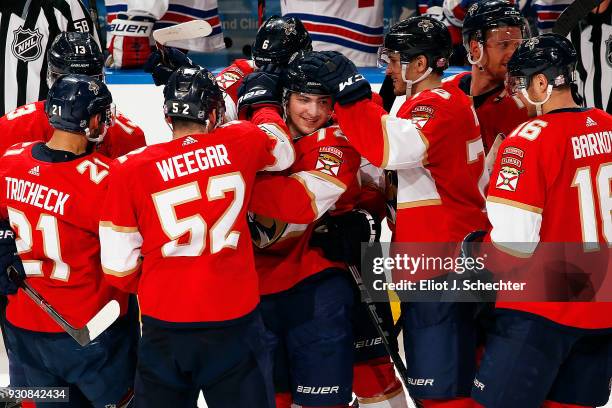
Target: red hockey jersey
{"x": 29, "y": 123}
{"x": 174, "y": 226}
{"x": 498, "y": 112}
{"x": 229, "y": 80}
{"x": 53, "y": 208}
{"x": 434, "y": 145}
{"x": 323, "y": 177}
{"x": 551, "y": 183}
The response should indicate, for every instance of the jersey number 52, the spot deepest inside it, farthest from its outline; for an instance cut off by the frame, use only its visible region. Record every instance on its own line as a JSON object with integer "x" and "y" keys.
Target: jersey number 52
{"x": 221, "y": 235}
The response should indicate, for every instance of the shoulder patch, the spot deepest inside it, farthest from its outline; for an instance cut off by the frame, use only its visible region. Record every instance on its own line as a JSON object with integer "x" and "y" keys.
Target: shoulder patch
{"x": 329, "y": 160}
{"x": 228, "y": 78}
{"x": 421, "y": 114}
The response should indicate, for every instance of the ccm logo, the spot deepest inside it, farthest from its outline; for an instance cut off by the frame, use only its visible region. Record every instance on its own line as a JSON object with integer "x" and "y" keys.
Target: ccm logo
{"x": 479, "y": 385}
{"x": 421, "y": 381}
{"x": 351, "y": 81}
{"x": 251, "y": 94}
{"x": 317, "y": 390}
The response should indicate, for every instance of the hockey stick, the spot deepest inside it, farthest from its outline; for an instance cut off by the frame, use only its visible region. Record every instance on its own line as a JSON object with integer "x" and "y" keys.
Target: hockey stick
{"x": 184, "y": 31}
{"x": 572, "y": 15}
{"x": 376, "y": 321}
{"x": 100, "y": 322}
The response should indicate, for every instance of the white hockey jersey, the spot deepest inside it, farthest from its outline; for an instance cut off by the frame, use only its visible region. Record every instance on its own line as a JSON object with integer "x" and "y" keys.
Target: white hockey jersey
{"x": 352, "y": 27}
{"x": 171, "y": 12}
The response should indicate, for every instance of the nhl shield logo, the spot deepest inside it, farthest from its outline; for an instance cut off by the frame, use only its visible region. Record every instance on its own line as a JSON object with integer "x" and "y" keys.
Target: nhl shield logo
{"x": 609, "y": 50}
{"x": 27, "y": 44}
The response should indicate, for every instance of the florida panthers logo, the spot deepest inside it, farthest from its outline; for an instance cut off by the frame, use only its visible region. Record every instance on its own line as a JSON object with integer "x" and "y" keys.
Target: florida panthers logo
{"x": 27, "y": 44}
{"x": 265, "y": 231}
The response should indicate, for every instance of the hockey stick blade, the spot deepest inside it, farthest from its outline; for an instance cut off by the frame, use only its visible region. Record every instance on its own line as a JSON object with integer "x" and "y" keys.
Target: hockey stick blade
{"x": 572, "y": 15}
{"x": 100, "y": 322}
{"x": 184, "y": 31}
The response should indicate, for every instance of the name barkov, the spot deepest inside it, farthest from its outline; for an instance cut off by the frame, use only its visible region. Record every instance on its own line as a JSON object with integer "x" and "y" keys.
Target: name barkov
{"x": 430, "y": 284}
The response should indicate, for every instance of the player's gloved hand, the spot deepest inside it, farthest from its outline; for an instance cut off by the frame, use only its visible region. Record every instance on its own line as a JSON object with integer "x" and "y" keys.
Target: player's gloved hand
{"x": 161, "y": 64}
{"x": 259, "y": 89}
{"x": 339, "y": 75}
{"x": 469, "y": 248}
{"x": 130, "y": 41}
{"x": 8, "y": 257}
{"x": 340, "y": 236}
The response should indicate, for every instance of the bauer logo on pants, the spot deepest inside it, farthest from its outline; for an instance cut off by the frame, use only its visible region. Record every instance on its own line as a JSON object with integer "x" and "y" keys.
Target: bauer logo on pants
{"x": 27, "y": 44}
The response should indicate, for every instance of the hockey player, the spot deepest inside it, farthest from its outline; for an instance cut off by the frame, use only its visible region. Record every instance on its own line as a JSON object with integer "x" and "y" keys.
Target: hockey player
{"x": 28, "y": 29}
{"x": 174, "y": 230}
{"x": 277, "y": 40}
{"x": 435, "y": 142}
{"x": 52, "y": 193}
{"x": 549, "y": 354}
{"x": 131, "y": 24}
{"x": 71, "y": 53}
{"x": 307, "y": 300}
{"x": 492, "y": 30}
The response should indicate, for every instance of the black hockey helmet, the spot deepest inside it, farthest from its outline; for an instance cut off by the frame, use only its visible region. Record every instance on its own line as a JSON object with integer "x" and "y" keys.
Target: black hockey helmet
{"x": 550, "y": 54}
{"x": 278, "y": 39}
{"x": 74, "y": 53}
{"x": 414, "y": 36}
{"x": 192, "y": 93}
{"x": 74, "y": 99}
{"x": 485, "y": 15}
{"x": 295, "y": 79}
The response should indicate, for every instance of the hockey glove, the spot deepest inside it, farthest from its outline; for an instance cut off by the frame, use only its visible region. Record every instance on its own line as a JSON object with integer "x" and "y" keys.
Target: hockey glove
{"x": 130, "y": 41}
{"x": 259, "y": 89}
{"x": 340, "y": 236}
{"x": 8, "y": 257}
{"x": 161, "y": 64}
{"x": 338, "y": 74}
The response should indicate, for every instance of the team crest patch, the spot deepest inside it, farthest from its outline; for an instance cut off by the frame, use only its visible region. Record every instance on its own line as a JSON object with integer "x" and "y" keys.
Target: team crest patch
{"x": 329, "y": 160}
{"x": 508, "y": 178}
{"x": 421, "y": 115}
{"x": 609, "y": 50}
{"x": 27, "y": 44}
{"x": 264, "y": 230}
{"x": 228, "y": 79}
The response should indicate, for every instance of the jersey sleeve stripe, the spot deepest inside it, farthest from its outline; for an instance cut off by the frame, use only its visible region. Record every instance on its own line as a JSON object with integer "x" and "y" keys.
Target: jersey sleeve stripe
{"x": 526, "y": 207}
{"x": 120, "y": 251}
{"x": 117, "y": 228}
{"x": 420, "y": 203}
{"x": 405, "y": 145}
{"x": 324, "y": 193}
{"x": 283, "y": 150}
{"x": 516, "y": 230}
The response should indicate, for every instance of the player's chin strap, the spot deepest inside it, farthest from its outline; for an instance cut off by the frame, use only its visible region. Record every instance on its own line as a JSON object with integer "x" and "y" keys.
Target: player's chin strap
{"x": 538, "y": 105}
{"x": 98, "y": 139}
{"x": 476, "y": 62}
{"x": 409, "y": 83}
